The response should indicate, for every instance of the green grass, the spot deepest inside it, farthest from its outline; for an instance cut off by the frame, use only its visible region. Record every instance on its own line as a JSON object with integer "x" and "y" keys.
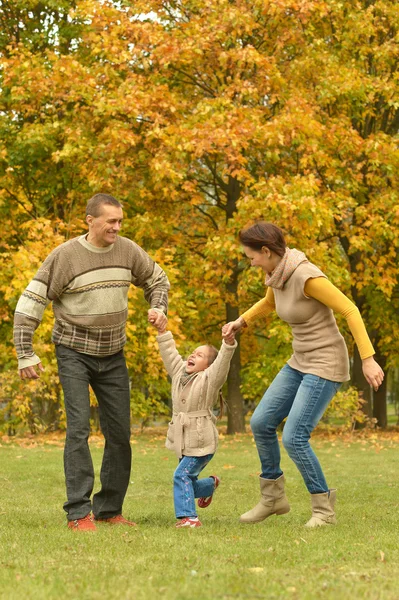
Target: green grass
{"x": 359, "y": 558}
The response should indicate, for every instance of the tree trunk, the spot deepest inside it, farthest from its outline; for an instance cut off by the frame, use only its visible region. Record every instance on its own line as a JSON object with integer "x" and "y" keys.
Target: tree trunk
{"x": 358, "y": 379}
{"x": 380, "y": 397}
{"x": 235, "y": 415}
{"x": 359, "y": 382}
{"x": 235, "y": 403}
{"x": 375, "y": 402}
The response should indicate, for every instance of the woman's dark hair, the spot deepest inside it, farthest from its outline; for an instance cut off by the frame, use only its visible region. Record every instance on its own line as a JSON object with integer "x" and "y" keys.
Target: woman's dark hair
{"x": 264, "y": 234}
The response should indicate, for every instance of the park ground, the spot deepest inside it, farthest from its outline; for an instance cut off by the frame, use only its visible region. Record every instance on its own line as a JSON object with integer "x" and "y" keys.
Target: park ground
{"x": 358, "y": 558}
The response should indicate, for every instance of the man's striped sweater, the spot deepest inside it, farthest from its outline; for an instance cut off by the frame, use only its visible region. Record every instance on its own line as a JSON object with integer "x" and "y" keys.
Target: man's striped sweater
{"x": 88, "y": 287}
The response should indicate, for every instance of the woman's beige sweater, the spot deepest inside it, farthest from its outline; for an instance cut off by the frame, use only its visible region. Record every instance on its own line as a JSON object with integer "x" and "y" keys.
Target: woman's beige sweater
{"x": 318, "y": 346}
{"x": 192, "y": 430}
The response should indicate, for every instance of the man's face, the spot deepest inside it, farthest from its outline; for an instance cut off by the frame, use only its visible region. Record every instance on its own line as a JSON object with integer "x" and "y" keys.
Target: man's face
{"x": 198, "y": 360}
{"x": 104, "y": 229}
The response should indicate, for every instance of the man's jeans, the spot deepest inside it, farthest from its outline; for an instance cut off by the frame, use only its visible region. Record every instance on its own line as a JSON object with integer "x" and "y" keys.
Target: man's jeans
{"x": 109, "y": 380}
{"x": 187, "y": 486}
{"x": 303, "y": 398}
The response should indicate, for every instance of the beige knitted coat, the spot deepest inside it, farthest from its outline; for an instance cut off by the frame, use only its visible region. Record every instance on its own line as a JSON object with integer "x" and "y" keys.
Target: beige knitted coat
{"x": 192, "y": 430}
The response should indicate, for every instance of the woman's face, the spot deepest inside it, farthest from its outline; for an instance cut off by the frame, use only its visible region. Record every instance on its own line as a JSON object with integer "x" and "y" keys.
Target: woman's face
{"x": 265, "y": 258}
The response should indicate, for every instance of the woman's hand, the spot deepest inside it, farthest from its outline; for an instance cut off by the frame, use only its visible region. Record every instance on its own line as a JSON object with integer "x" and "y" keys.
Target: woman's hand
{"x": 373, "y": 373}
{"x": 233, "y": 326}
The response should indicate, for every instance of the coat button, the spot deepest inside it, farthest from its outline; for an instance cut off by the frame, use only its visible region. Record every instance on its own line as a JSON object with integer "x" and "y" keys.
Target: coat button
{"x": 183, "y": 401}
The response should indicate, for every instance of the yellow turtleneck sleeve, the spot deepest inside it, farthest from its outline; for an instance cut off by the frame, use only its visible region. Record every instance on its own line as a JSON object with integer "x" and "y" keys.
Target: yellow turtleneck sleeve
{"x": 324, "y": 291}
{"x": 262, "y": 308}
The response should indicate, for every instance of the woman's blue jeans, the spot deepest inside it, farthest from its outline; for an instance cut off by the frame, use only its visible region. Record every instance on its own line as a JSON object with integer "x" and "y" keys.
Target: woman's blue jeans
{"x": 187, "y": 486}
{"x": 302, "y": 398}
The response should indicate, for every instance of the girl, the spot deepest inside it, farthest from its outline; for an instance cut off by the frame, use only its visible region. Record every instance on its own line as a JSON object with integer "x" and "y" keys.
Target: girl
{"x": 192, "y": 433}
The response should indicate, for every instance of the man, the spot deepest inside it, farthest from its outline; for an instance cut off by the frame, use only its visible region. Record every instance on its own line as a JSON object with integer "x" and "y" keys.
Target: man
{"x": 87, "y": 280}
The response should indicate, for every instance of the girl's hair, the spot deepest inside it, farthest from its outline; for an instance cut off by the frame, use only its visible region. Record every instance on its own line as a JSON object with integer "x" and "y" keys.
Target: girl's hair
{"x": 221, "y": 404}
{"x": 212, "y": 354}
{"x": 264, "y": 234}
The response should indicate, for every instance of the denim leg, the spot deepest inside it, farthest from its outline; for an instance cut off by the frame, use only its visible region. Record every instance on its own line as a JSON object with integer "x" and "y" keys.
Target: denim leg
{"x": 270, "y": 412}
{"x": 184, "y": 479}
{"x": 313, "y": 396}
{"x": 74, "y": 375}
{"x": 203, "y": 487}
{"x": 111, "y": 387}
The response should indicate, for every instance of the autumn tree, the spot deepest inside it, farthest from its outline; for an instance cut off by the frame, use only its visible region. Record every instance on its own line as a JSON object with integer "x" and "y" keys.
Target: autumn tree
{"x": 206, "y": 116}
{"x": 240, "y": 110}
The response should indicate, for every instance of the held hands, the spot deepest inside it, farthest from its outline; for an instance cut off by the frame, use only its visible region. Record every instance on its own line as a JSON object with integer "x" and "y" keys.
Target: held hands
{"x": 158, "y": 319}
{"x": 229, "y": 339}
{"x": 233, "y": 327}
{"x": 30, "y": 372}
{"x": 373, "y": 373}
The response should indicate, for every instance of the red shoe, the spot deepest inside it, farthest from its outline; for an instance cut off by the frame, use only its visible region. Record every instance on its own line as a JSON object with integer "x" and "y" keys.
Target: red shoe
{"x": 204, "y": 502}
{"x": 117, "y": 520}
{"x": 188, "y": 522}
{"x": 85, "y": 524}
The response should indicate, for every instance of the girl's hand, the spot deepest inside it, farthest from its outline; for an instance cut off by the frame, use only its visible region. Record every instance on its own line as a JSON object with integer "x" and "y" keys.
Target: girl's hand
{"x": 229, "y": 339}
{"x": 158, "y": 319}
{"x": 373, "y": 373}
{"x": 233, "y": 326}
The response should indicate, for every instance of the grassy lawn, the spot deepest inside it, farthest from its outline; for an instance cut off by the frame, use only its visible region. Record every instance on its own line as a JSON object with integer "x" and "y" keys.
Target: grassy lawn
{"x": 359, "y": 558}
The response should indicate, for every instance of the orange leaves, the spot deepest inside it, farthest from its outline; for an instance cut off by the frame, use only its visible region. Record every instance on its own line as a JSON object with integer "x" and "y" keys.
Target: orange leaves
{"x": 203, "y": 119}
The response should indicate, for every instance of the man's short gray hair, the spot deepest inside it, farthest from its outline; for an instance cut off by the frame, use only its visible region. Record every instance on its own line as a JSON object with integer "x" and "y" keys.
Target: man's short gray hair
{"x": 95, "y": 203}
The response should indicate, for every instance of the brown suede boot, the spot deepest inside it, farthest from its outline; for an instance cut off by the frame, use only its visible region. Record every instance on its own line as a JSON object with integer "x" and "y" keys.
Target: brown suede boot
{"x": 273, "y": 501}
{"x": 323, "y": 509}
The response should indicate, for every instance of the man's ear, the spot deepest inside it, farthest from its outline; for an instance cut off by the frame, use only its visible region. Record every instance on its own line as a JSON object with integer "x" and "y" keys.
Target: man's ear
{"x": 89, "y": 219}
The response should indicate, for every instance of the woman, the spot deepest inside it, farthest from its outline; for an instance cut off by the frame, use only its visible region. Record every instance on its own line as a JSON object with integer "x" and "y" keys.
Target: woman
{"x": 304, "y": 298}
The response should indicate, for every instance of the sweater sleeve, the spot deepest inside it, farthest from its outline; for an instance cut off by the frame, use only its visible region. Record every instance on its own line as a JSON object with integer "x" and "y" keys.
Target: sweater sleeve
{"x": 149, "y": 276}
{"x": 30, "y": 308}
{"x": 171, "y": 358}
{"x": 261, "y": 309}
{"x": 324, "y": 291}
{"x": 219, "y": 369}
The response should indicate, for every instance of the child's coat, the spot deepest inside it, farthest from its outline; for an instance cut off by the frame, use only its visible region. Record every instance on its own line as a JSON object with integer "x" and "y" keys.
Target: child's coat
{"x": 192, "y": 430}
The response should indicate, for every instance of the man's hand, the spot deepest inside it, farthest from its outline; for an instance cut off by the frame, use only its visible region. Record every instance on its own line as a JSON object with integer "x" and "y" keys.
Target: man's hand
{"x": 158, "y": 319}
{"x": 30, "y": 372}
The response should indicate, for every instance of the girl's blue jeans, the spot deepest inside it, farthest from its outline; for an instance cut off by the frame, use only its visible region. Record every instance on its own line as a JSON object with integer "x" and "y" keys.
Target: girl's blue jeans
{"x": 302, "y": 398}
{"x": 187, "y": 486}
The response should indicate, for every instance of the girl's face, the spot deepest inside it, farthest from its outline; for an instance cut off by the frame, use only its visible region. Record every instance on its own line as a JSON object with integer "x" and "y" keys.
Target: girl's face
{"x": 198, "y": 360}
{"x": 264, "y": 258}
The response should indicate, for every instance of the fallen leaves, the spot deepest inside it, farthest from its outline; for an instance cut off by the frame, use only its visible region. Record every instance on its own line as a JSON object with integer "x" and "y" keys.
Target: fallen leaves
{"x": 369, "y": 441}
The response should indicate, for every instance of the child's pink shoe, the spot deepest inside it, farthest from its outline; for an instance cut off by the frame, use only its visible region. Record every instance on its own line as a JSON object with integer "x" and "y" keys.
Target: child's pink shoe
{"x": 204, "y": 502}
{"x": 188, "y": 522}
